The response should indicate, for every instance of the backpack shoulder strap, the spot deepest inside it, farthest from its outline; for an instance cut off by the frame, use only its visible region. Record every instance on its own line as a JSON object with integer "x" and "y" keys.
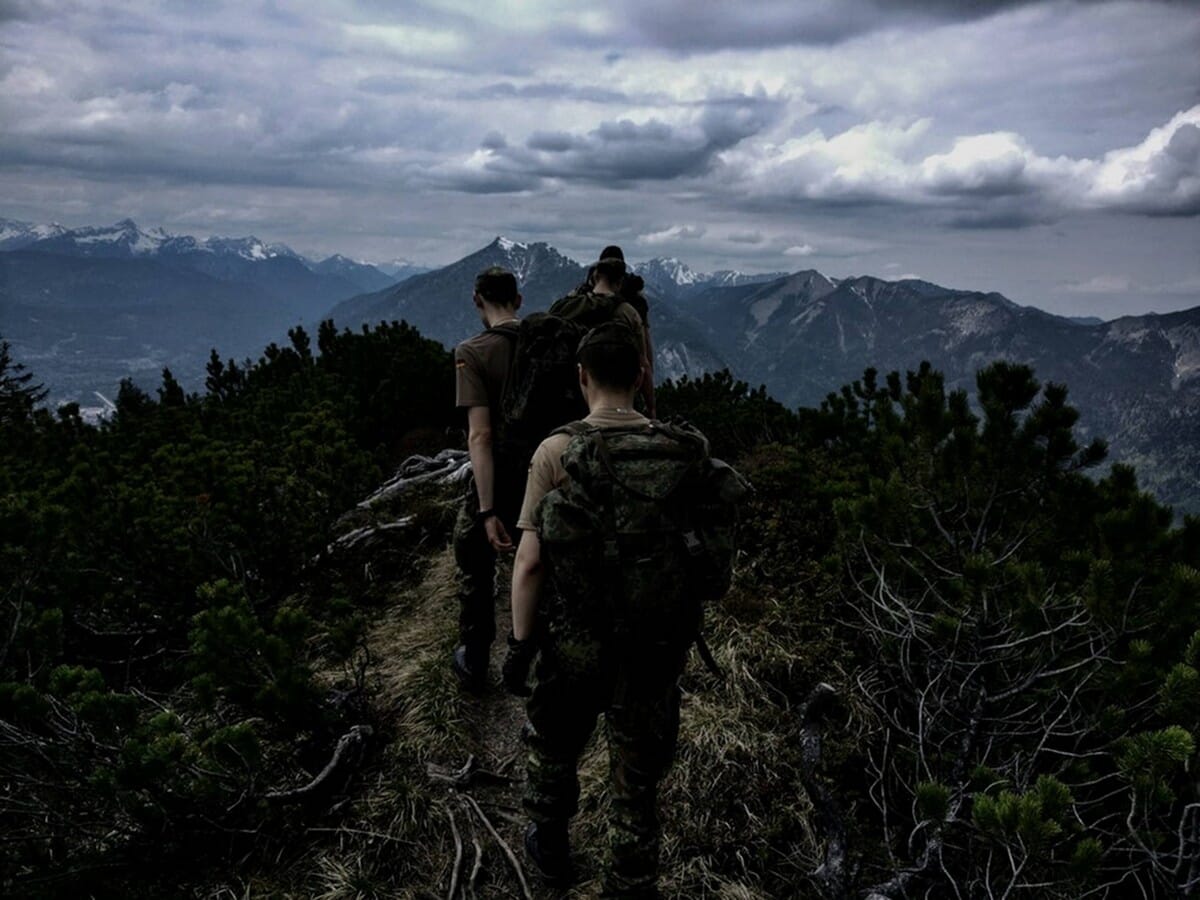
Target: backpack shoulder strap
{"x": 574, "y": 429}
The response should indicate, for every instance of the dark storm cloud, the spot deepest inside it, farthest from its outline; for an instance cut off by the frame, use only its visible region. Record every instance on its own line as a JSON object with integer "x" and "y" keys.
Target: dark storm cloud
{"x": 12, "y": 10}
{"x": 686, "y": 25}
{"x": 731, "y": 135}
{"x": 615, "y": 152}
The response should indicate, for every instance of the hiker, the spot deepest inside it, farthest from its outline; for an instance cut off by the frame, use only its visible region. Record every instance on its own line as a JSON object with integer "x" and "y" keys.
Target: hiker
{"x": 487, "y": 519}
{"x": 609, "y": 278}
{"x": 611, "y": 608}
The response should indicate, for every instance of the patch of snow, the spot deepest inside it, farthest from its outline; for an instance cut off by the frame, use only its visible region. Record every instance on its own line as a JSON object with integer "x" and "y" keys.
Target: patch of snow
{"x": 1134, "y": 332}
{"x": 970, "y": 319}
{"x": 103, "y": 237}
{"x": 668, "y": 268}
{"x": 807, "y": 314}
{"x": 143, "y": 243}
{"x": 508, "y": 245}
{"x": 1185, "y": 342}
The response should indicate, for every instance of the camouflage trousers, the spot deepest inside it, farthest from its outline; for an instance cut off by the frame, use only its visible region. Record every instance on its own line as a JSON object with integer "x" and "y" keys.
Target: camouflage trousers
{"x": 638, "y": 695}
{"x": 477, "y": 565}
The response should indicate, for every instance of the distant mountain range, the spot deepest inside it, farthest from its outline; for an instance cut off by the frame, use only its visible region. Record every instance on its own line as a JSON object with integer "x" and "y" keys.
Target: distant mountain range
{"x": 85, "y": 307}
{"x": 671, "y": 279}
{"x": 439, "y": 303}
{"x": 125, "y": 240}
{"x": 1136, "y": 379}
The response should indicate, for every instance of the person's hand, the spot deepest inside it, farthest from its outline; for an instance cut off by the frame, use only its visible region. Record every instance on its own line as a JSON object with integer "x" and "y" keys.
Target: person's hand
{"x": 497, "y": 535}
{"x": 515, "y": 671}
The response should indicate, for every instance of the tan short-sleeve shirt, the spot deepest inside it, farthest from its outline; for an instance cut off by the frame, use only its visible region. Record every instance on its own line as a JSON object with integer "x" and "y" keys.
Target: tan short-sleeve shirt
{"x": 546, "y": 471}
{"x": 480, "y": 369}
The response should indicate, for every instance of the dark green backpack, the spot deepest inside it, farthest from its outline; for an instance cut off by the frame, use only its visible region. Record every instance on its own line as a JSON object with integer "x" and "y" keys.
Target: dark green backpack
{"x": 541, "y": 390}
{"x": 640, "y": 536}
{"x": 587, "y": 309}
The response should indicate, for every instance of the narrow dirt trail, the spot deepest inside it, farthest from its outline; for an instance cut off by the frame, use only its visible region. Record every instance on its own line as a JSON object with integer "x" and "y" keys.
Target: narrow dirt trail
{"x": 447, "y": 729}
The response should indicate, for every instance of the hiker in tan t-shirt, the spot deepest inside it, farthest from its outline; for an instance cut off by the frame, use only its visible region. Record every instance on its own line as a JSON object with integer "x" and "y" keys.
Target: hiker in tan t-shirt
{"x": 643, "y": 720}
{"x": 488, "y": 515}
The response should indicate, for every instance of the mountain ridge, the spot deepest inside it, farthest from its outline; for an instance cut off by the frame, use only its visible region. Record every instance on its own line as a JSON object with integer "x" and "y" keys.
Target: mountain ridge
{"x": 804, "y": 334}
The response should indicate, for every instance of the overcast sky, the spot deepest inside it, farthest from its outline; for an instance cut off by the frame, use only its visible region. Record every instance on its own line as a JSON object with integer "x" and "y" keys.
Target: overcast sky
{"x": 1048, "y": 150}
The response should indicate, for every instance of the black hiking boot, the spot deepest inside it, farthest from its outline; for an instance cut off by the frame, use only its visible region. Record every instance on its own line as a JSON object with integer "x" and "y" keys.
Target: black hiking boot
{"x": 470, "y": 670}
{"x": 547, "y": 846}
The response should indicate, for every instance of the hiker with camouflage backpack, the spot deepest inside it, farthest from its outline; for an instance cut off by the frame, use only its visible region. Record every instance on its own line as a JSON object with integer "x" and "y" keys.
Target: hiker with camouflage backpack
{"x": 626, "y": 533}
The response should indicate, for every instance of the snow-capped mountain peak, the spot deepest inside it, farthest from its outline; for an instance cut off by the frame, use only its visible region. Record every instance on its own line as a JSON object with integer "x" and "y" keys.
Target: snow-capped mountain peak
{"x": 14, "y": 234}
{"x": 670, "y": 277}
{"x": 508, "y": 245}
{"x": 120, "y": 238}
{"x": 667, "y": 269}
{"x": 247, "y": 248}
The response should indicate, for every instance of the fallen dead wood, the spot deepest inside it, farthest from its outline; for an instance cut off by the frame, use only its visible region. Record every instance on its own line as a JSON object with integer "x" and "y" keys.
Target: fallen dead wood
{"x": 831, "y": 875}
{"x": 351, "y": 539}
{"x": 458, "y": 856}
{"x": 352, "y": 740}
{"x": 448, "y": 467}
{"x": 462, "y": 778}
{"x": 512, "y": 857}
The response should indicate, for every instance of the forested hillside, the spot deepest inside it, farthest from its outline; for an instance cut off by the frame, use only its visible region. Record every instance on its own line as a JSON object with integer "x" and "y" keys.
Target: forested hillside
{"x": 955, "y": 663}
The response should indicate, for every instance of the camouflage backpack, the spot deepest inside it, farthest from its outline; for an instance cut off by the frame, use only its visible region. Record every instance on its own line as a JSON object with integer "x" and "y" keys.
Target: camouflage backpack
{"x": 640, "y": 536}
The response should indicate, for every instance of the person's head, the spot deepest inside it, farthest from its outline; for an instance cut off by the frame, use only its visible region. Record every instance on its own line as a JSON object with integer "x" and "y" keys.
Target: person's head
{"x": 611, "y": 252}
{"x": 608, "y": 274}
{"x": 496, "y": 293}
{"x": 610, "y": 361}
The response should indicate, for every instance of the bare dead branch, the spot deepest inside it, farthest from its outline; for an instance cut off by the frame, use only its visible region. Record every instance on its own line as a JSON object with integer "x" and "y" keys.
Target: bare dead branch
{"x": 352, "y": 740}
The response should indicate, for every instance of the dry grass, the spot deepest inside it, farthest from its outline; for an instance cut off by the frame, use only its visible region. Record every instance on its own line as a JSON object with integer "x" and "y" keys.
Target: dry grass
{"x": 735, "y": 817}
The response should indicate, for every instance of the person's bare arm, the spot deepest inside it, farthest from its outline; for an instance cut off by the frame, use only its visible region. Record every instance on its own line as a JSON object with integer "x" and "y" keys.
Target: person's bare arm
{"x": 648, "y": 375}
{"x": 483, "y": 467}
{"x": 526, "y": 585}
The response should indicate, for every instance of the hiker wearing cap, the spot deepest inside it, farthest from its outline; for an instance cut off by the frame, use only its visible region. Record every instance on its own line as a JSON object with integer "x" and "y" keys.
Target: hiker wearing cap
{"x": 611, "y": 292}
{"x": 488, "y": 515}
{"x": 613, "y": 564}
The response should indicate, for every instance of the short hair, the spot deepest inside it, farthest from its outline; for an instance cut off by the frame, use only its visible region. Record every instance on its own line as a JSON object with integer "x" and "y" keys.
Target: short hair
{"x": 612, "y": 251}
{"x": 611, "y": 269}
{"x": 497, "y": 286}
{"x": 611, "y": 355}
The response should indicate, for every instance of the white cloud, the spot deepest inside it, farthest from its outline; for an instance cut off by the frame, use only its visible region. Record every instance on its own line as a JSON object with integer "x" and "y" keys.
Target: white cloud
{"x": 800, "y": 250}
{"x": 408, "y": 40}
{"x": 881, "y": 162}
{"x": 423, "y": 129}
{"x": 1159, "y": 175}
{"x": 673, "y": 234}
